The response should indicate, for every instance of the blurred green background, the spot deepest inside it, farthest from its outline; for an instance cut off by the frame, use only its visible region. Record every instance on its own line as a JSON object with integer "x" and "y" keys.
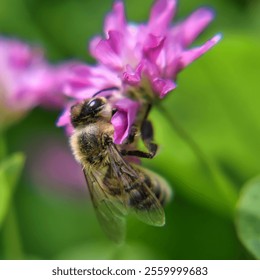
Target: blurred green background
{"x": 208, "y": 130}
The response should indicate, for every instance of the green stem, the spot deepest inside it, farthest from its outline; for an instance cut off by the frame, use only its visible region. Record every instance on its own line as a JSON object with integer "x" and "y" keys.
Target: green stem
{"x": 226, "y": 187}
{"x": 3, "y": 148}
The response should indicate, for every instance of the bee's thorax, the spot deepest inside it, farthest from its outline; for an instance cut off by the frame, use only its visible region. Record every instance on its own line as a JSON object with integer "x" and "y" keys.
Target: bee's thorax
{"x": 90, "y": 144}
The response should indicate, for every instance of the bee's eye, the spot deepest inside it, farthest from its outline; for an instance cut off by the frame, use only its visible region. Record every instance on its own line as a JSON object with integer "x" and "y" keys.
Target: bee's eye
{"x": 94, "y": 104}
{"x": 92, "y": 107}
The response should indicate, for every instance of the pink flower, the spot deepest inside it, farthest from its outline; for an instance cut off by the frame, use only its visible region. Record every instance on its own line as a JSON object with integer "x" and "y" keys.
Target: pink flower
{"x": 156, "y": 51}
{"x": 26, "y": 79}
{"x": 142, "y": 58}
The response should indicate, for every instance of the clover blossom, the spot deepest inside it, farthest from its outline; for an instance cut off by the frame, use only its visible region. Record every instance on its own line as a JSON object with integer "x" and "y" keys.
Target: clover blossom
{"x": 153, "y": 52}
{"x": 144, "y": 59}
{"x": 26, "y": 80}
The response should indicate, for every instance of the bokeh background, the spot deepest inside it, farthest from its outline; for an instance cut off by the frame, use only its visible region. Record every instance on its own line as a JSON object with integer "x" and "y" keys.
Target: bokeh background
{"x": 208, "y": 130}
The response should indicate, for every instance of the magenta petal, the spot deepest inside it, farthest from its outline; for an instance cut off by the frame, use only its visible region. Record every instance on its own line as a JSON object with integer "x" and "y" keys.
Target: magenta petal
{"x": 107, "y": 51}
{"x": 115, "y": 41}
{"x": 124, "y": 118}
{"x": 131, "y": 76}
{"x": 83, "y": 80}
{"x": 105, "y": 54}
{"x": 93, "y": 44}
{"x": 162, "y": 86}
{"x": 76, "y": 79}
{"x": 161, "y": 15}
{"x": 131, "y": 79}
{"x": 64, "y": 120}
{"x": 81, "y": 69}
{"x": 27, "y": 80}
{"x": 116, "y": 19}
{"x": 119, "y": 121}
{"x": 189, "y": 56}
{"x": 22, "y": 55}
{"x": 190, "y": 28}
{"x": 153, "y": 47}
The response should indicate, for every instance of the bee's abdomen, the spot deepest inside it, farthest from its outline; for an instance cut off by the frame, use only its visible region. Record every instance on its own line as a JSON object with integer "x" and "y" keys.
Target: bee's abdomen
{"x": 142, "y": 193}
{"x": 158, "y": 191}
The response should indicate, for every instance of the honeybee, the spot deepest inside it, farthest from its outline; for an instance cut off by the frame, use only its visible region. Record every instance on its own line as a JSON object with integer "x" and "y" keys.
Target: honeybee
{"x": 117, "y": 187}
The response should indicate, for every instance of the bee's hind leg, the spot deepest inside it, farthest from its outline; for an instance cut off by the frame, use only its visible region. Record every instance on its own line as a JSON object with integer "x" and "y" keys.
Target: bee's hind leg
{"x": 147, "y": 137}
{"x": 137, "y": 153}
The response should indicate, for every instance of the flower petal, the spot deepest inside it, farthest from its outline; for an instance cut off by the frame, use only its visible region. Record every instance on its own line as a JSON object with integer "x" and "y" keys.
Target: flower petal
{"x": 27, "y": 79}
{"x": 189, "y": 56}
{"x": 124, "y": 118}
{"x": 84, "y": 80}
{"x": 153, "y": 47}
{"x": 132, "y": 77}
{"x": 116, "y": 19}
{"x": 64, "y": 120}
{"x": 161, "y": 15}
{"x": 119, "y": 121}
{"x": 188, "y": 30}
{"x": 107, "y": 50}
{"x": 163, "y": 86}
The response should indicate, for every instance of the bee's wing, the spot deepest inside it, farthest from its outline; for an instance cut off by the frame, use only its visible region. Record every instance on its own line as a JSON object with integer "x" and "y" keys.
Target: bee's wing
{"x": 109, "y": 210}
{"x": 149, "y": 210}
{"x": 163, "y": 183}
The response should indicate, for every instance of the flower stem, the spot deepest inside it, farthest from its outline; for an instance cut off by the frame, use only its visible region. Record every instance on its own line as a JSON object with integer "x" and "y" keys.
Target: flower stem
{"x": 225, "y": 187}
{"x": 3, "y": 149}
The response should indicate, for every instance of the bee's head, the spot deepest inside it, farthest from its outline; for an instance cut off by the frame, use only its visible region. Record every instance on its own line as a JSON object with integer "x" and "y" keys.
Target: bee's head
{"x": 90, "y": 111}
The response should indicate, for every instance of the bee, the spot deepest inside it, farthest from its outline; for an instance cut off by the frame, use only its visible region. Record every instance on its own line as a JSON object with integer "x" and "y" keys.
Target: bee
{"x": 116, "y": 186}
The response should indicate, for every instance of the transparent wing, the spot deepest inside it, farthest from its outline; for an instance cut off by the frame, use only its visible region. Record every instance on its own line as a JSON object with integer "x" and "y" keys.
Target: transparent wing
{"x": 110, "y": 210}
{"x": 137, "y": 193}
{"x": 165, "y": 186}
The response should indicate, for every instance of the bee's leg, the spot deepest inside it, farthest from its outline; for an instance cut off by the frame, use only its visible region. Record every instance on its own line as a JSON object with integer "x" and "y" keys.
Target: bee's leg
{"x": 137, "y": 153}
{"x": 136, "y": 128}
{"x": 132, "y": 134}
{"x": 147, "y": 136}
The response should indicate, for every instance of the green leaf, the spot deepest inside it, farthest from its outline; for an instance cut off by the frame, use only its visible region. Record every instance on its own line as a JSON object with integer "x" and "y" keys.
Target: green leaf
{"x": 248, "y": 217}
{"x": 10, "y": 170}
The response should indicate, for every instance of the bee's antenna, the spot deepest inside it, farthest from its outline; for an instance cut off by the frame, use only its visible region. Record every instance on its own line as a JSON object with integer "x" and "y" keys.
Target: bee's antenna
{"x": 106, "y": 89}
